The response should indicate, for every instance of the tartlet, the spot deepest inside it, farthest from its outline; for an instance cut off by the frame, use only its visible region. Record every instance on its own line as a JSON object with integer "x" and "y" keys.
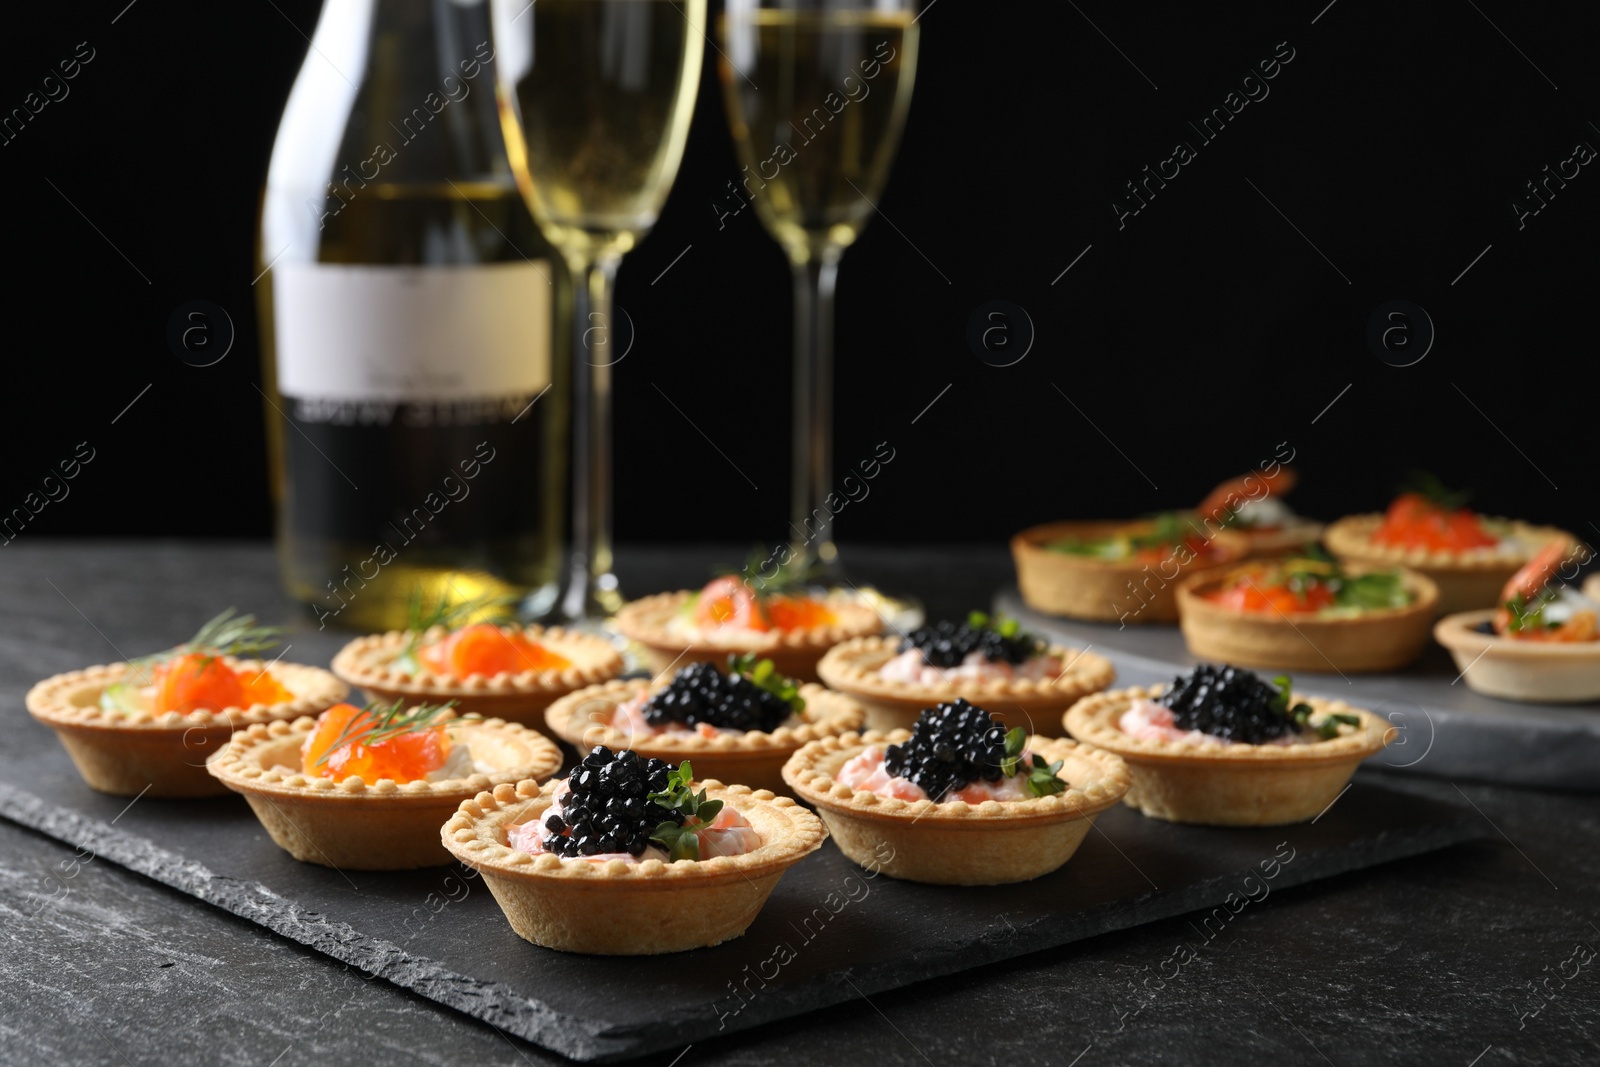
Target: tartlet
{"x": 1468, "y": 556}
{"x": 1138, "y": 588}
{"x": 628, "y": 909}
{"x": 1251, "y": 506}
{"x": 383, "y": 825}
{"x": 387, "y": 668}
{"x": 893, "y": 703}
{"x": 147, "y": 727}
{"x": 683, "y": 627}
{"x": 1345, "y": 639}
{"x": 956, "y": 843}
{"x": 1213, "y": 783}
{"x": 744, "y": 757}
{"x": 1542, "y": 643}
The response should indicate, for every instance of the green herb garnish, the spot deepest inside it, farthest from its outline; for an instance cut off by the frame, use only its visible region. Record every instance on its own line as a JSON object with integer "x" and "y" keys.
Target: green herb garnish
{"x": 1167, "y": 529}
{"x": 1300, "y": 714}
{"x": 377, "y": 724}
{"x": 1427, "y": 484}
{"x": 764, "y": 675}
{"x": 1043, "y": 778}
{"x": 694, "y": 813}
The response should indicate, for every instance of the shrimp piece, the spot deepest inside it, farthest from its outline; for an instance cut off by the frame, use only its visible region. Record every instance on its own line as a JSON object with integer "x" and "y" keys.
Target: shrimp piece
{"x": 1216, "y": 504}
{"x": 1530, "y": 580}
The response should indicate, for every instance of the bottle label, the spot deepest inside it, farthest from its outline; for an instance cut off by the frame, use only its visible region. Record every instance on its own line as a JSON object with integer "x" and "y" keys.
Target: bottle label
{"x": 411, "y": 346}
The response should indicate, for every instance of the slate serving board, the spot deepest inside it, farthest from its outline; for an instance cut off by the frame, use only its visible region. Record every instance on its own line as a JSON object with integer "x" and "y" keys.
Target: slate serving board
{"x": 1446, "y": 729}
{"x": 843, "y": 934}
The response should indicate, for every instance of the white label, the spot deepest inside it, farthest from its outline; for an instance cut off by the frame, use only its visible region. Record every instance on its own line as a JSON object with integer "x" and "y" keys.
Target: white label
{"x": 410, "y": 334}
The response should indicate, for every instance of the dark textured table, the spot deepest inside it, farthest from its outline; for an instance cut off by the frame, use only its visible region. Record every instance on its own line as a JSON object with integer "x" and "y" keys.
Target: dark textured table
{"x": 1439, "y": 959}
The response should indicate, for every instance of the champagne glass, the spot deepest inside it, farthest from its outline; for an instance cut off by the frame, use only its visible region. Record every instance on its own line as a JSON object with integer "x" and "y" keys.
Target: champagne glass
{"x": 817, "y": 93}
{"x": 596, "y": 98}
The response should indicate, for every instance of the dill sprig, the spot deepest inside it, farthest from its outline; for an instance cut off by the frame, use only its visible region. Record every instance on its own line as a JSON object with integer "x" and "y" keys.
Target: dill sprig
{"x": 422, "y": 616}
{"x": 232, "y": 635}
{"x": 377, "y": 723}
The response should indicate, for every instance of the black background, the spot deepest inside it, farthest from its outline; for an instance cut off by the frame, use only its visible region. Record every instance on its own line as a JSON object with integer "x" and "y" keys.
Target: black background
{"x": 1190, "y": 342}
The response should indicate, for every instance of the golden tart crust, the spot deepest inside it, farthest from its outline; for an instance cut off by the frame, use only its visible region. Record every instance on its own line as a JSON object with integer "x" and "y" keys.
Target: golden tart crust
{"x": 1036, "y": 706}
{"x": 1214, "y": 784}
{"x": 164, "y": 753}
{"x": 956, "y": 843}
{"x": 1380, "y": 640}
{"x": 369, "y": 826}
{"x": 1541, "y": 672}
{"x": 793, "y": 652}
{"x": 1467, "y": 579}
{"x": 618, "y": 908}
{"x": 752, "y": 757}
{"x": 1080, "y": 587}
{"x": 368, "y": 663}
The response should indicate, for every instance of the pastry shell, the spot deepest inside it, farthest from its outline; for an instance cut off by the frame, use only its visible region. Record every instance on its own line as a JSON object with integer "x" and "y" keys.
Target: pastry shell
{"x": 794, "y": 652}
{"x": 753, "y": 757}
{"x": 956, "y": 843}
{"x": 1379, "y": 640}
{"x": 1081, "y": 587}
{"x": 163, "y": 755}
{"x": 853, "y": 667}
{"x": 1214, "y": 784}
{"x": 1541, "y": 672}
{"x": 369, "y": 826}
{"x": 618, "y": 908}
{"x": 1467, "y": 579}
{"x": 368, "y": 663}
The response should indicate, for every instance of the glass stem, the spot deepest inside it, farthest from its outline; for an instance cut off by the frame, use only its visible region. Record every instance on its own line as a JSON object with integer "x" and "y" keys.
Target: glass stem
{"x": 592, "y": 591}
{"x": 811, "y": 526}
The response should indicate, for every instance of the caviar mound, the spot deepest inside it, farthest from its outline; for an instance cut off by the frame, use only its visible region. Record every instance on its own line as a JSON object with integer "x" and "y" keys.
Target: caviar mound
{"x": 1229, "y": 703}
{"x": 951, "y": 746}
{"x": 702, "y": 693}
{"x": 947, "y": 644}
{"x": 606, "y": 808}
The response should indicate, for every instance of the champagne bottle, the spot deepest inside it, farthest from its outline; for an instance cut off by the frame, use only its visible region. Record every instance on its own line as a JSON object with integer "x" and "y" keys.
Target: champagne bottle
{"x": 416, "y": 388}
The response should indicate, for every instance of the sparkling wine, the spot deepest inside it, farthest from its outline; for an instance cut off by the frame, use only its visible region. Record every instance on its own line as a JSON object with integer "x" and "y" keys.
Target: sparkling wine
{"x": 415, "y": 389}
{"x": 816, "y": 101}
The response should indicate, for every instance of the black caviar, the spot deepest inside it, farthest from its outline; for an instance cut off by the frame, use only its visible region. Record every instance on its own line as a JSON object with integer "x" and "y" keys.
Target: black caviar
{"x": 606, "y": 807}
{"x": 951, "y": 746}
{"x": 1229, "y": 703}
{"x": 946, "y": 643}
{"x": 701, "y": 693}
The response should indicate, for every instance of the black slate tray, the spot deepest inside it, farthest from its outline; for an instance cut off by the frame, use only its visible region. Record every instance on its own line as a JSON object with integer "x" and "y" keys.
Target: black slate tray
{"x": 845, "y": 935}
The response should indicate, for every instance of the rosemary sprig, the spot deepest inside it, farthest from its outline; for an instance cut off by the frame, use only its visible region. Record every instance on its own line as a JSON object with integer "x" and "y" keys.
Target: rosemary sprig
{"x": 376, "y": 724}
{"x": 693, "y": 813}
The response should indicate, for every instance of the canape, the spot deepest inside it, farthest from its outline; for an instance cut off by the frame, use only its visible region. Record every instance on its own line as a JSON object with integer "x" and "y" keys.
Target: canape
{"x": 147, "y": 726}
{"x": 366, "y": 789}
{"x": 1222, "y": 747}
{"x": 1019, "y": 678}
{"x": 958, "y": 800}
{"x": 1467, "y": 555}
{"x": 1118, "y": 571}
{"x": 1542, "y": 644}
{"x": 730, "y": 617}
{"x": 1252, "y": 506}
{"x": 625, "y": 858}
{"x": 1308, "y": 615}
{"x": 738, "y": 726}
{"x": 505, "y": 671}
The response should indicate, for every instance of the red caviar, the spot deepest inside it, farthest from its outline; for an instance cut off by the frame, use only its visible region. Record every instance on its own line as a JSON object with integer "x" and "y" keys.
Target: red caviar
{"x": 488, "y": 650}
{"x": 197, "y": 681}
{"x": 1414, "y": 521}
{"x": 403, "y": 757}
